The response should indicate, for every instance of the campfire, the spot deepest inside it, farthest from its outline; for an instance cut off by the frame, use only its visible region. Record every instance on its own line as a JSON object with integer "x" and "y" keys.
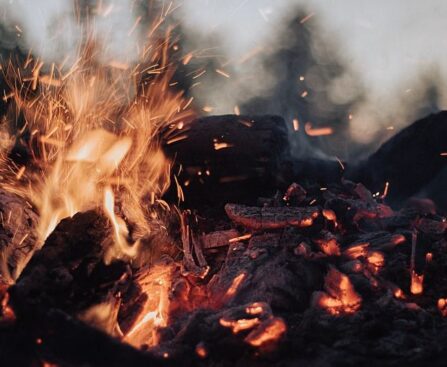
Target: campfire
{"x": 134, "y": 232}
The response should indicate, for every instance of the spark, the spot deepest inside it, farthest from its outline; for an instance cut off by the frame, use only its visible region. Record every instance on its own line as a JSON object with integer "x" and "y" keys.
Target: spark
{"x": 240, "y": 238}
{"x": 223, "y": 73}
{"x": 135, "y": 25}
{"x": 322, "y": 131}
{"x": 296, "y": 124}
{"x": 219, "y": 146}
{"x": 385, "y": 190}
{"x": 306, "y": 18}
{"x": 188, "y": 57}
{"x": 177, "y": 139}
{"x": 340, "y": 163}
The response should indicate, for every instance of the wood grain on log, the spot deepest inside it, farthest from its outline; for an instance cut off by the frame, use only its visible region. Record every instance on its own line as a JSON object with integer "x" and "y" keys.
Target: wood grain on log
{"x": 257, "y": 218}
{"x": 18, "y": 236}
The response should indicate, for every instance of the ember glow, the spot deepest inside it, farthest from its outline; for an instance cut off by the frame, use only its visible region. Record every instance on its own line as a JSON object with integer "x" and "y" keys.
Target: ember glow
{"x": 340, "y": 296}
{"x": 156, "y": 285}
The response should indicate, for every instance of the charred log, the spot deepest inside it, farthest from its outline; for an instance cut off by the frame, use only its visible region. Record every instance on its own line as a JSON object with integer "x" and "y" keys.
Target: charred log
{"x": 18, "y": 236}
{"x": 256, "y": 218}
{"x": 223, "y": 157}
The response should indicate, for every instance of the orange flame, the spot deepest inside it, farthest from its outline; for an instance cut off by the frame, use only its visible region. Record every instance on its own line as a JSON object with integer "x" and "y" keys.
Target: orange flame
{"x": 93, "y": 126}
{"x": 156, "y": 284}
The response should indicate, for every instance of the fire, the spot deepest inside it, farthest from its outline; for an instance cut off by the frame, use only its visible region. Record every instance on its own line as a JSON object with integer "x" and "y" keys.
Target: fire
{"x": 156, "y": 284}
{"x": 93, "y": 132}
{"x": 121, "y": 233}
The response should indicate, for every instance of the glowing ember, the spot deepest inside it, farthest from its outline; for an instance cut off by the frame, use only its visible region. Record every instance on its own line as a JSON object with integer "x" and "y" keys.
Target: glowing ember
{"x": 442, "y": 306}
{"x": 237, "y": 281}
{"x": 240, "y": 238}
{"x": 398, "y": 293}
{"x": 329, "y": 215}
{"x": 223, "y": 145}
{"x": 311, "y": 131}
{"x": 237, "y": 326}
{"x": 256, "y": 308}
{"x": 356, "y": 251}
{"x": 296, "y": 124}
{"x": 269, "y": 331}
{"x": 156, "y": 284}
{"x": 376, "y": 259}
{"x": 341, "y": 297}
{"x": 417, "y": 283}
{"x": 201, "y": 350}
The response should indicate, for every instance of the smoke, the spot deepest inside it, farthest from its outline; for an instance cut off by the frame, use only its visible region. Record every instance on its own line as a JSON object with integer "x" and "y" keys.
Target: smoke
{"x": 55, "y": 30}
{"x": 388, "y": 65}
{"x": 368, "y": 70}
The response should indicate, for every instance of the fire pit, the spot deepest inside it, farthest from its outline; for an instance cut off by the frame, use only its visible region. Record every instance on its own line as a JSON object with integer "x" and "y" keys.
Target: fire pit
{"x": 134, "y": 232}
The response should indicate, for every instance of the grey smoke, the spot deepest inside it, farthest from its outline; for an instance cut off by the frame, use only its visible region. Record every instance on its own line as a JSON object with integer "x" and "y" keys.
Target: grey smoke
{"x": 392, "y": 54}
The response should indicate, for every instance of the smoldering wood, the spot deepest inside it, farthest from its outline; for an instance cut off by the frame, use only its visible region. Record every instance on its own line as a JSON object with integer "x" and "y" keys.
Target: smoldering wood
{"x": 218, "y": 238}
{"x": 261, "y": 218}
{"x": 18, "y": 235}
{"x": 386, "y": 329}
{"x": 257, "y": 160}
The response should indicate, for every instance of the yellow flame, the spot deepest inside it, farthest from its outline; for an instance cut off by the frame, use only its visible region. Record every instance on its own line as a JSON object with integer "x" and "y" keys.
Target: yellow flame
{"x": 122, "y": 246}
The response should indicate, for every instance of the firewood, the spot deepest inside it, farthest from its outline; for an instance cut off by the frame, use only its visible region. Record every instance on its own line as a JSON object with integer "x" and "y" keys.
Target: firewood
{"x": 69, "y": 271}
{"x": 218, "y": 238}
{"x": 222, "y": 157}
{"x": 18, "y": 235}
{"x": 256, "y": 218}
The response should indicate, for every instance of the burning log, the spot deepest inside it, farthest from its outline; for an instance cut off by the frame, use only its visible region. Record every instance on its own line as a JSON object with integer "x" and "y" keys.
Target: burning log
{"x": 256, "y": 218}
{"x": 69, "y": 273}
{"x": 18, "y": 236}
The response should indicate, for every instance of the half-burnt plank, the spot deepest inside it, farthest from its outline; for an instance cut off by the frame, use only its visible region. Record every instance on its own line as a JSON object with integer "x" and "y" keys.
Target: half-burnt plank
{"x": 257, "y": 218}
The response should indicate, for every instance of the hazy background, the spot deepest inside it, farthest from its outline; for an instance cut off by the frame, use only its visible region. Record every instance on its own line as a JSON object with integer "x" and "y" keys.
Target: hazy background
{"x": 365, "y": 68}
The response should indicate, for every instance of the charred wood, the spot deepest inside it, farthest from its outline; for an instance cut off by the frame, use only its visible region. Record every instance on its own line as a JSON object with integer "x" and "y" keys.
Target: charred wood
{"x": 18, "y": 235}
